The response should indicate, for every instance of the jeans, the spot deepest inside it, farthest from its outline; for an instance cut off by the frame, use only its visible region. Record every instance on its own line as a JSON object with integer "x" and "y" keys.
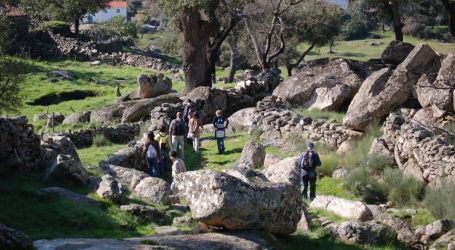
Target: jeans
{"x": 152, "y": 164}
{"x": 312, "y": 181}
{"x": 220, "y": 144}
{"x": 196, "y": 144}
{"x": 178, "y": 145}
{"x": 163, "y": 161}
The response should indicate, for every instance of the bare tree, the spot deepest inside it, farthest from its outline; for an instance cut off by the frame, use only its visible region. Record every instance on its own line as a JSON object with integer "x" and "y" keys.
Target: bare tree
{"x": 264, "y": 24}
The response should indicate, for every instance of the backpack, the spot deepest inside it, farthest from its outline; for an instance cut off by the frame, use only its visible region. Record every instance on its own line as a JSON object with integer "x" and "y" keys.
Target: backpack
{"x": 178, "y": 128}
{"x": 151, "y": 151}
{"x": 162, "y": 140}
{"x": 307, "y": 161}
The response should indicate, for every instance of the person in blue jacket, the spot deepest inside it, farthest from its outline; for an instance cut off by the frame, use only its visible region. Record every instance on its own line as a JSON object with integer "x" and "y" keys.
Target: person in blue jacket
{"x": 307, "y": 162}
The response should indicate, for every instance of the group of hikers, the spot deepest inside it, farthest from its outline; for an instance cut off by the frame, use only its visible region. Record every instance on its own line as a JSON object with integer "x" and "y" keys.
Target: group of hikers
{"x": 187, "y": 127}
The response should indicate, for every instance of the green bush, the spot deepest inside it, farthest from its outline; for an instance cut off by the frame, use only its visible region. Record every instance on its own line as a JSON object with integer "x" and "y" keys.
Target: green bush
{"x": 362, "y": 184}
{"x": 378, "y": 163}
{"x": 402, "y": 189}
{"x": 120, "y": 27}
{"x": 440, "y": 200}
{"x": 58, "y": 27}
{"x": 170, "y": 43}
{"x": 100, "y": 140}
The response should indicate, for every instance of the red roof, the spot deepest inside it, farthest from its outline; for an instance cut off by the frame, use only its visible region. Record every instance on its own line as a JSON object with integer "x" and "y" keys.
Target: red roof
{"x": 117, "y": 4}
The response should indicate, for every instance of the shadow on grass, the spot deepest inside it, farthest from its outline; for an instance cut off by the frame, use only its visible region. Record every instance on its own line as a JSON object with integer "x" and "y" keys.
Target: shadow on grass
{"x": 301, "y": 241}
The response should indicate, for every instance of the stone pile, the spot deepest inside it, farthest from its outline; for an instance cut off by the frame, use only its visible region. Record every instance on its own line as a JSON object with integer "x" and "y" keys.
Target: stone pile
{"x": 19, "y": 146}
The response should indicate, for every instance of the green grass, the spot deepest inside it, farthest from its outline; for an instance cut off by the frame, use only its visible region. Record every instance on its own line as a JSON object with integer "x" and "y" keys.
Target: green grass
{"x": 362, "y": 50}
{"x": 319, "y": 114}
{"x": 93, "y": 155}
{"x": 334, "y": 187}
{"x": 24, "y": 207}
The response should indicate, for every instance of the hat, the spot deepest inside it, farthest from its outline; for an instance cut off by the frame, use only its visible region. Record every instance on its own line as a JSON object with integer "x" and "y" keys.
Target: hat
{"x": 310, "y": 145}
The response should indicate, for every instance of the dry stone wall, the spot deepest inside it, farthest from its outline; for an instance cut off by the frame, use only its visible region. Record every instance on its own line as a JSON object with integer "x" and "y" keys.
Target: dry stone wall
{"x": 19, "y": 145}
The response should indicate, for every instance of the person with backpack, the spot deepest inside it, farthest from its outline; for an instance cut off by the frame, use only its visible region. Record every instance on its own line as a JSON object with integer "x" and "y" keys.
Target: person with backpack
{"x": 151, "y": 153}
{"x": 163, "y": 141}
{"x": 178, "y": 165}
{"x": 188, "y": 111}
{"x": 196, "y": 128}
{"x": 307, "y": 162}
{"x": 220, "y": 124}
{"x": 177, "y": 132}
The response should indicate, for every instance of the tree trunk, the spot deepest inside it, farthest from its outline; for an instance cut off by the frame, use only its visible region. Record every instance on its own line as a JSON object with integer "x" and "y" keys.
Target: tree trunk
{"x": 194, "y": 49}
{"x": 450, "y": 7}
{"x": 396, "y": 18}
{"x": 76, "y": 26}
{"x": 290, "y": 66}
{"x": 234, "y": 53}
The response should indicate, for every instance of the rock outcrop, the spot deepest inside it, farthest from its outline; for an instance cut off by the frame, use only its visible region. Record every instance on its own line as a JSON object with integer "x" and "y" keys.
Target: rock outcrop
{"x": 77, "y": 117}
{"x": 326, "y": 84}
{"x": 345, "y": 208}
{"x": 69, "y": 171}
{"x": 153, "y": 86}
{"x": 396, "y": 52}
{"x": 253, "y": 155}
{"x": 219, "y": 199}
{"x": 13, "y": 239}
{"x": 385, "y": 90}
{"x": 141, "y": 110}
{"x": 111, "y": 189}
{"x": 285, "y": 171}
{"x": 153, "y": 190}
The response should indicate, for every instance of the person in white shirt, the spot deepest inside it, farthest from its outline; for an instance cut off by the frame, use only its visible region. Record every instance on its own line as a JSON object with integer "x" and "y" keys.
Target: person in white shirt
{"x": 178, "y": 165}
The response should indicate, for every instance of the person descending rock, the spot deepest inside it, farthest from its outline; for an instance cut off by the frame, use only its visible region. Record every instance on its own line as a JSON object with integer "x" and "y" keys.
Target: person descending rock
{"x": 151, "y": 153}
{"x": 163, "y": 141}
{"x": 220, "y": 124}
{"x": 188, "y": 111}
{"x": 178, "y": 165}
{"x": 307, "y": 162}
{"x": 177, "y": 131}
{"x": 196, "y": 128}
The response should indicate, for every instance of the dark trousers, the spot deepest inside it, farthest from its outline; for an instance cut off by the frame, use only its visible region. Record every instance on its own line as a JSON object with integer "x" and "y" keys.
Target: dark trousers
{"x": 312, "y": 181}
{"x": 163, "y": 161}
{"x": 220, "y": 144}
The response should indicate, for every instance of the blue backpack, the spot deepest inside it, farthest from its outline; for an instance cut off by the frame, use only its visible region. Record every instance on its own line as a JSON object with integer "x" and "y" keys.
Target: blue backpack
{"x": 219, "y": 123}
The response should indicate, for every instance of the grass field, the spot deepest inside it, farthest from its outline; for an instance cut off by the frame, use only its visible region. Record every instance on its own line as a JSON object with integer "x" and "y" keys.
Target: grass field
{"x": 369, "y": 48}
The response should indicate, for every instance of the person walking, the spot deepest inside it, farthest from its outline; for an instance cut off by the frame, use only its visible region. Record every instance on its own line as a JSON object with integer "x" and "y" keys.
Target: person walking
{"x": 178, "y": 165}
{"x": 177, "y": 132}
{"x": 188, "y": 111}
{"x": 196, "y": 128}
{"x": 151, "y": 153}
{"x": 307, "y": 162}
{"x": 220, "y": 124}
{"x": 163, "y": 141}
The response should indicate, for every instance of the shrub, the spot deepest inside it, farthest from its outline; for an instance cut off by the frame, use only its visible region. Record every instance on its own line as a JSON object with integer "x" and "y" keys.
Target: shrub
{"x": 256, "y": 133}
{"x": 58, "y": 27}
{"x": 402, "y": 189}
{"x": 170, "y": 43}
{"x": 440, "y": 200}
{"x": 362, "y": 184}
{"x": 120, "y": 27}
{"x": 100, "y": 140}
{"x": 11, "y": 75}
{"x": 378, "y": 163}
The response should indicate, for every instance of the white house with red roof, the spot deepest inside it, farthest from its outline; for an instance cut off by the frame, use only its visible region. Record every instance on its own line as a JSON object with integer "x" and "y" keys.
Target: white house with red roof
{"x": 113, "y": 9}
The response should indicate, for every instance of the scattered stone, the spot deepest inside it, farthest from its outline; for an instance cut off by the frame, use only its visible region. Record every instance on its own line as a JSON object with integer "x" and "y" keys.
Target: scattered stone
{"x": 345, "y": 208}
{"x": 128, "y": 177}
{"x": 69, "y": 195}
{"x": 345, "y": 147}
{"x": 145, "y": 213}
{"x": 437, "y": 229}
{"x": 63, "y": 75}
{"x": 78, "y": 117}
{"x": 443, "y": 241}
{"x": 253, "y": 155}
{"x": 153, "y": 190}
{"x": 13, "y": 239}
{"x": 371, "y": 232}
{"x": 141, "y": 109}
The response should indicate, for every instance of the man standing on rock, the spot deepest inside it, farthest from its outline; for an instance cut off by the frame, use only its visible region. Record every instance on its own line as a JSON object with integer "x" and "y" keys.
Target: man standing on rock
{"x": 307, "y": 162}
{"x": 177, "y": 131}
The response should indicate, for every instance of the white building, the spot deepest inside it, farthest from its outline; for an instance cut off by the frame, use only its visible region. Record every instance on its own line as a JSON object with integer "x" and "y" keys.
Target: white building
{"x": 344, "y": 4}
{"x": 113, "y": 9}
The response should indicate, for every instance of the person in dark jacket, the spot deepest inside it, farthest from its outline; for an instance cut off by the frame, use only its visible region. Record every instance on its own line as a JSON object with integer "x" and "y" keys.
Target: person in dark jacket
{"x": 307, "y": 162}
{"x": 220, "y": 124}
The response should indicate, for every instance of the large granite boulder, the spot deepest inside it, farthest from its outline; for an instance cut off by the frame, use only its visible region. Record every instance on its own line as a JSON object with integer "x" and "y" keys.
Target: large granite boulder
{"x": 253, "y": 155}
{"x": 153, "y": 190}
{"x": 108, "y": 114}
{"x": 329, "y": 84}
{"x": 344, "y": 208}
{"x": 242, "y": 120}
{"x": 71, "y": 196}
{"x": 396, "y": 52}
{"x": 68, "y": 171}
{"x": 208, "y": 101}
{"x": 141, "y": 110}
{"x": 285, "y": 171}
{"x": 128, "y": 177}
{"x": 153, "y": 85}
{"x": 385, "y": 90}
{"x": 219, "y": 199}
{"x": 78, "y": 117}
{"x": 13, "y": 239}
{"x": 144, "y": 213}
{"x": 62, "y": 145}
{"x": 111, "y": 189}
{"x": 437, "y": 89}
{"x": 130, "y": 157}
{"x": 366, "y": 233}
